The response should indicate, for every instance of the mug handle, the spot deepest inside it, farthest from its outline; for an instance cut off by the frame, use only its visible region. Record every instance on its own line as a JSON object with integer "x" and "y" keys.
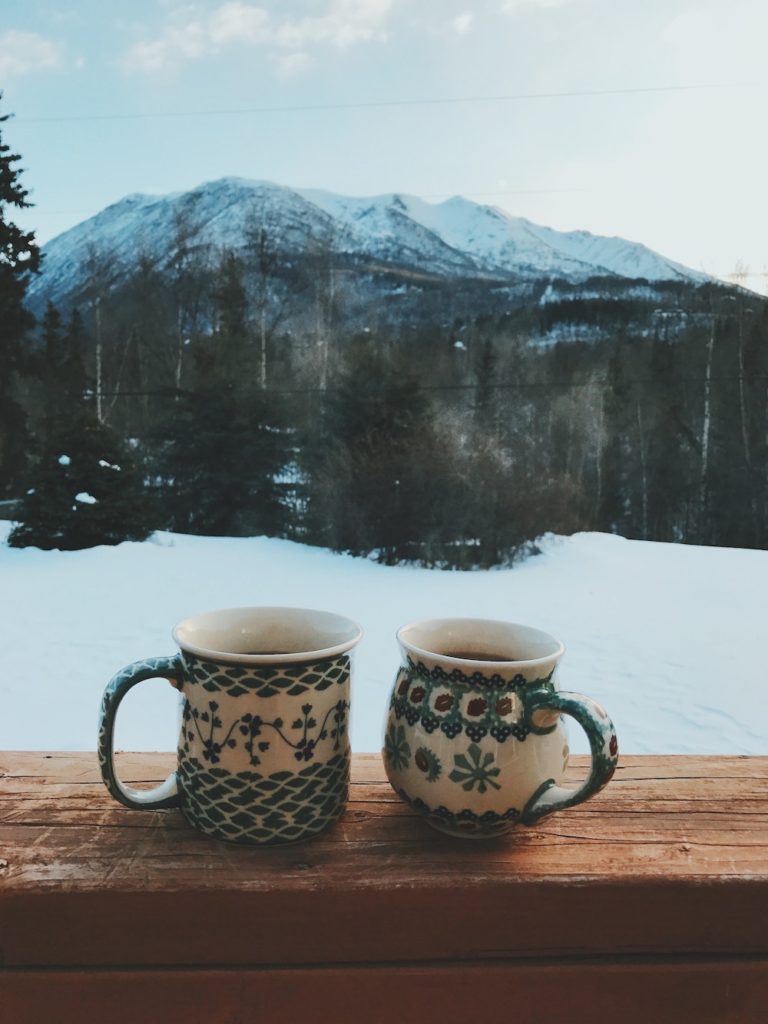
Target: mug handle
{"x": 603, "y": 746}
{"x": 166, "y": 794}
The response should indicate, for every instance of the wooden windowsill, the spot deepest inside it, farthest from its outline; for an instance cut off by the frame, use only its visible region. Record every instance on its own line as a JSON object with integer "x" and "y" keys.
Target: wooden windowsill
{"x": 667, "y": 866}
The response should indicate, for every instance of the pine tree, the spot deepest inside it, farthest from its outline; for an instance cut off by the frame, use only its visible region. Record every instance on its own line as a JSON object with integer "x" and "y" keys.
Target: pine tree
{"x": 670, "y": 453}
{"x": 57, "y": 395}
{"x": 85, "y": 489}
{"x": 219, "y": 456}
{"x": 374, "y": 464}
{"x": 19, "y": 260}
{"x": 234, "y": 360}
{"x": 617, "y": 512}
{"x": 223, "y": 444}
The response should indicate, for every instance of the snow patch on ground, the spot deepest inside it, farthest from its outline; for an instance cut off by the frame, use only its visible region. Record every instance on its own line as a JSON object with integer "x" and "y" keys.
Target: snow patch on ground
{"x": 664, "y": 635}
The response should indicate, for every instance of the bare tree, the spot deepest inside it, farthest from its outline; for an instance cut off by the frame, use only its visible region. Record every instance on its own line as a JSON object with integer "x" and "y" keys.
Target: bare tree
{"x": 188, "y": 268}
{"x": 328, "y": 297}
{"x": 706, "y": 421}
{"x": 269, "y": 295}
{"x": 100, "y": 273}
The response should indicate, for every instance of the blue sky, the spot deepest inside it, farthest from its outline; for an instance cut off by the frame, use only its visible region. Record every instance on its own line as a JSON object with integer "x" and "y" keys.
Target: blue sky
{"x": 681, "y": 169}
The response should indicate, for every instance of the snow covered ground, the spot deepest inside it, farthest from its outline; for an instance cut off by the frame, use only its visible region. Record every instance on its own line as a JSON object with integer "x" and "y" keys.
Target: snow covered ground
{"x": 667, "y": 637}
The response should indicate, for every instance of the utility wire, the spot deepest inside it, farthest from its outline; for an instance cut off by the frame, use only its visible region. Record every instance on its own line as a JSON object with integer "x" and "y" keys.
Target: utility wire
{"x": 381, "y": 104}
{"x": 506, "y": 386}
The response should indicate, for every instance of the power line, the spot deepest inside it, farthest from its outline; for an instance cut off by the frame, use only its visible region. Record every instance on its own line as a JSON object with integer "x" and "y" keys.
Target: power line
{"x": 504, "y": 386}
{"x": 382, "y": 104}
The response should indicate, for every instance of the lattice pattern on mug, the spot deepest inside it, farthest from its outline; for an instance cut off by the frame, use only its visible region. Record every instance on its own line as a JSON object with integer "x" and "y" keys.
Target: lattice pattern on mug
{"x": 247, "y": 807}
{"x": 266, "y": 680}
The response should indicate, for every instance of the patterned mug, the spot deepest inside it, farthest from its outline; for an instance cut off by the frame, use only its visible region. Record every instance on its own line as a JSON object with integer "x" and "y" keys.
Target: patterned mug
{"x": 263, "y": 753}
{"x": 474, "y": 738}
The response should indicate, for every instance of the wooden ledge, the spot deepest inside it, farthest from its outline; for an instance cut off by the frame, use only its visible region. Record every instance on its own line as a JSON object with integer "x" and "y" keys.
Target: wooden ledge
{"x": 649, "y": 902}
{"x": 671, "y": 860}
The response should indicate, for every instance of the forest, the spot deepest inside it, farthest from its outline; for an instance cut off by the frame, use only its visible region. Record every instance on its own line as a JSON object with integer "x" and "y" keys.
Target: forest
{"x": 445, "y": 422}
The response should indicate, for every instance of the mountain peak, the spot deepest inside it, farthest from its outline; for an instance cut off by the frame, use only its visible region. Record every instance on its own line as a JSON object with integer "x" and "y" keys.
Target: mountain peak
{"x": 454, "y": 237}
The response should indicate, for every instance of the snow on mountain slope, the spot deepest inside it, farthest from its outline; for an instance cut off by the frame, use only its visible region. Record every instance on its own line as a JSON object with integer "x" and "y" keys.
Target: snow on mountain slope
{"x": 456, "y": 237}
{"x": 616, "y": 255}
{"x": 490, "y": 240}
{"x": 214, "y": 214}
{"x": 383, "y": 226}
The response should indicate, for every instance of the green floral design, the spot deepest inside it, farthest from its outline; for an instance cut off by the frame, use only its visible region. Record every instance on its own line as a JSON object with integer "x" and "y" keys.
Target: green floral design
{"x": 474, "y": 769}
{"x": 428, "y": 762}
{"x": 396, "y": 748}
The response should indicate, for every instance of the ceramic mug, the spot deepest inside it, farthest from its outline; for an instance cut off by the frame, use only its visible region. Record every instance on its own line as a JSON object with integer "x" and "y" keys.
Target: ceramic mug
{"x": 474, "y": 739}
{"x": 263, "y": 754}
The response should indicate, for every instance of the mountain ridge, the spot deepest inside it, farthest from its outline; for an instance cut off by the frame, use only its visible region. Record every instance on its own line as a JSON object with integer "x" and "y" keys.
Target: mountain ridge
{"x": 455, "y": 238}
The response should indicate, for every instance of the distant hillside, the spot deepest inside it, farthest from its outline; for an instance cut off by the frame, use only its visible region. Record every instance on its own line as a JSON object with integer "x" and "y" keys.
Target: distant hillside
{"x": 388, "y": 244}
{"x": 439, "y": 383}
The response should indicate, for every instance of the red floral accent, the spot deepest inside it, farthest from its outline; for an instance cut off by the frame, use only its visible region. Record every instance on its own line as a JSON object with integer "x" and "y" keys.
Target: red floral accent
{"x": 503, "y": 706}
{"x": 403, "y": 687}
{"x": 421, "y": 761}
{"x": 417, "y": 694}
{"x": 613, "y": 746}
{"x": 444, "y": 702}
{"x": 477, "y": 706}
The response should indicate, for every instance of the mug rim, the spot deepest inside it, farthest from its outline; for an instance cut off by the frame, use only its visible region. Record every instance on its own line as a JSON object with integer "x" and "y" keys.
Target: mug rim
{"x": 230, "y": 657}
{"x": 483, "y": 666}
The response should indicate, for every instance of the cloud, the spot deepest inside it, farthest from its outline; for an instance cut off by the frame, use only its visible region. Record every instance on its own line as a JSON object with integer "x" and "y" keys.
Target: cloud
{"x": 462, "y": 22}
{"x": 513, "y": 6}
{"x": 238, "y": 21}
{"x": 178, "y": 44}
{"x": 289, "y": 64}
{"x": 22, "y": 53}
{"x": 345, "y": 23}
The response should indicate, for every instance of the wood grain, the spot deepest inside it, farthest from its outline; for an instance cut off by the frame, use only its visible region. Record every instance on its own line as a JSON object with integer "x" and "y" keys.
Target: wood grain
{"x": 672, "y": 858}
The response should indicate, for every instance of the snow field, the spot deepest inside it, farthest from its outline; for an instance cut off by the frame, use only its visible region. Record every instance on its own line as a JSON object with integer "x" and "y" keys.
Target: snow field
{"x": 667, "y": 637}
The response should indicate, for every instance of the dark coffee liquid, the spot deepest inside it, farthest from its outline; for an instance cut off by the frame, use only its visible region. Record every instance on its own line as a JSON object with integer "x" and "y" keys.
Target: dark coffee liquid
{"x": 478, "y": 656}
{"x": 270, "y": 653}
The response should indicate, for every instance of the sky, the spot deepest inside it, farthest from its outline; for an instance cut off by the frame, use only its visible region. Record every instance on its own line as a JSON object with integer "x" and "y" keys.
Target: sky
{"x": 643, "y": 120}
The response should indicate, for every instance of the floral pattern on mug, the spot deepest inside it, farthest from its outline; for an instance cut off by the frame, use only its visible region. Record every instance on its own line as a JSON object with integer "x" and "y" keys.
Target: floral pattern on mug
{"x": 474, "y": 769}
{"x": 428, "y": 762}
{"x": 396, "y": 749}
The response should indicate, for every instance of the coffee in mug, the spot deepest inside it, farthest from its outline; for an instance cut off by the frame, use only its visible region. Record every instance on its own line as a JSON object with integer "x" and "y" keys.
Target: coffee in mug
{"x": 263, "y": 753}
{"x": 474, "y": 737}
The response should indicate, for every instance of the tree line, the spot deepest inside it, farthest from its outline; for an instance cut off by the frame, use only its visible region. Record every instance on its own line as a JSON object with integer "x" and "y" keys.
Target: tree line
{"x": 238, "y": 393}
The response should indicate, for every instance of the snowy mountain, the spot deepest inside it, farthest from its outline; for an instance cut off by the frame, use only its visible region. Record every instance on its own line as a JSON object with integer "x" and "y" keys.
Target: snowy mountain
{"x": 453, "y": 239}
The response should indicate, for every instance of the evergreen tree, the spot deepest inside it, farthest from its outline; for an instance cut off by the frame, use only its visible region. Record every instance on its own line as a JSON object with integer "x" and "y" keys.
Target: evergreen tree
{"x": 220, "y": 454}
{"x": 374, "y": 464}
{"x": 85, "y": 489}
{"x": 19, "y": 260}
{"x": 57, "y": 394}
{"x": 234, "y": 360}
{"x": 486, "y": 372}
{"x": 222, "y": 447}
{"x": 617, "y": 512}
{"x": 671, "y": 456}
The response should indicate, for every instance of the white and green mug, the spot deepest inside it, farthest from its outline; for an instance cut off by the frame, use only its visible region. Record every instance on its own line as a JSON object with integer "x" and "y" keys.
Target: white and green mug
{"x": 263, "y": 753}
{"x": 474, "y": 736}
